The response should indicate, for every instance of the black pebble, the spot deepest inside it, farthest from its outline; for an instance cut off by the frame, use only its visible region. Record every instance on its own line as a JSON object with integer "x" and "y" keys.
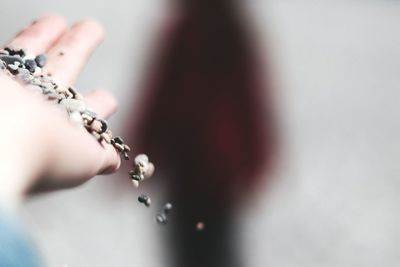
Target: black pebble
{"x": 21, "y": 53}
{"x": 12, "y": 52}
{"x": 30, "y": 65}
{"x": 118, "y": 140}
{"x": 145, "y": 200}
{"x": 41, "y": 60}
{"x": 104, "y": 126}
{"x": 72, "y": 91}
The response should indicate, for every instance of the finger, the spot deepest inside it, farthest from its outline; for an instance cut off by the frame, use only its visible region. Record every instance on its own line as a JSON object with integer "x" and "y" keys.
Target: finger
{"x": 102, "y": 102}
{"x": 68, "y": 56}
{"x": 112, "y": 160}
{"x": 40, "y": 35}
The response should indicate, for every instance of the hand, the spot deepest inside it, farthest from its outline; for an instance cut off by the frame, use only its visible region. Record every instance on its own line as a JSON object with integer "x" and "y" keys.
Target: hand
{"x": 40, "y": 149}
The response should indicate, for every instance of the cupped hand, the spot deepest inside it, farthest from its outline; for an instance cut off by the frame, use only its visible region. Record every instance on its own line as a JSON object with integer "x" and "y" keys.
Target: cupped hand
{"x": 40, "y": 149}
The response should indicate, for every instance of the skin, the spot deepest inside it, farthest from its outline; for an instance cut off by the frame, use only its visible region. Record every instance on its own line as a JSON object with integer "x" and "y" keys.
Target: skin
{"x": 40, "y": 149}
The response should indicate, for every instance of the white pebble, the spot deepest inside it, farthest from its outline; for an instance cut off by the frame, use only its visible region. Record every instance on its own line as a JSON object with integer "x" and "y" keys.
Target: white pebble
{"x": 150, "y": 170}
{"x": 141, "y": 158}
{"x": 76, "y": 117}
{"x": 73, "y": 105}
{"x": 135, "y": 183}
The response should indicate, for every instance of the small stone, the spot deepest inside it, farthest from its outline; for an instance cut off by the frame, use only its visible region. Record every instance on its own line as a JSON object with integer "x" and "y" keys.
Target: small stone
{"x": 125, "y": 155}
{"x": 106, "y": 137}
{"x": 150, "y": 170}
{"x": 13, "y": 51}
{"x": 167, "y": 208}
{"x": 145, "y": 200}
{"x": 104, "y": 125}
{"x": 74, "y": 105}
{"x": 13, "y": 68}
{"x": 141, "y": 158}
{"x": 30, "y": 65}
{"x": 76, "y": 117}
{"x": 96, "y": 126}
{"x": 11, "y": 59}
{"x": 140, "y": 169}
{"x": 41, "y": 60}
{"x": 90, "y": 113}
{"x": 118, "y": 147}
{"x": 24, "y": 76}
{"x": 161, "y": 218}
{"x": 118, "y": 140}
{"x": 21, "y": 52}
{"x": 135, "y": 183}
{"x": 72, "y": 91}
{"x": 126, "y": 148}
{"x": 62, "y": 90}
{"x": 200, "y": 226}
{"x": 52, "y": 96}
{"x": 137, "y": 177}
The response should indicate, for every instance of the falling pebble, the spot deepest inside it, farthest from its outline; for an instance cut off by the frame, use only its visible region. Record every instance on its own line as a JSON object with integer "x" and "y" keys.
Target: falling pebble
{"x": 161, "y": 218}
{"x": 145, "y": 200}
{"x": 200, "y": 226}
{"x": 167, "y": 208}
{"x": 135, "y": 183}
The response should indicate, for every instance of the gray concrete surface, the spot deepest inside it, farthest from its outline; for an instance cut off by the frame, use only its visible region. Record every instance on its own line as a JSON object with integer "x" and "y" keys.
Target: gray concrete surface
{"x": 334, "y": 202}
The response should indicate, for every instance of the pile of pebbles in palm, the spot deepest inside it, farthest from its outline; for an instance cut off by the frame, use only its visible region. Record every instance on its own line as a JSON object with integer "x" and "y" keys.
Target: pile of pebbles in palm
{"x": 27, "y": 70}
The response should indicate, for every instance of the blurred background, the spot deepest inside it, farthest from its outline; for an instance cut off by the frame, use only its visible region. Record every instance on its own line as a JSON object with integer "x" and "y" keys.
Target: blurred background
{"x": 332, "y": 198}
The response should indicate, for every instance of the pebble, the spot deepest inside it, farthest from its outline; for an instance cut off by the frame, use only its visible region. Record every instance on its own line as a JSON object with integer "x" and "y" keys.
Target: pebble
{"x": 136, "y": 177}
{"x": 76, "y": 117}
{"x": 73, "y": 105}
{"x": 167, "y": 208}
{"x": 106, "y": 137}
{"x": 41, "y": 60}
{"x": 150, "y": 170}
{"x": 161, "y": 218}
{"x": 145, "y": 200}
{"x": 24, "y": 75}
{"x": 30, "y": 65}
{"x": 11, "y": 59}
{"x": 118, "y": 140}
{"x": 104, "y": 126}
{"x": 96, "y": 126}
{"x": 13, "y": 67}
{"x": 141, "y": 158}
{"x": 126, "y": 148}
{"x": 200, "y": 226}
{"x": 118, "y": 147}
{"x": 135, "y": 183}
{"x": 12, "y": 51}
{"x": 90, "y": 113}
